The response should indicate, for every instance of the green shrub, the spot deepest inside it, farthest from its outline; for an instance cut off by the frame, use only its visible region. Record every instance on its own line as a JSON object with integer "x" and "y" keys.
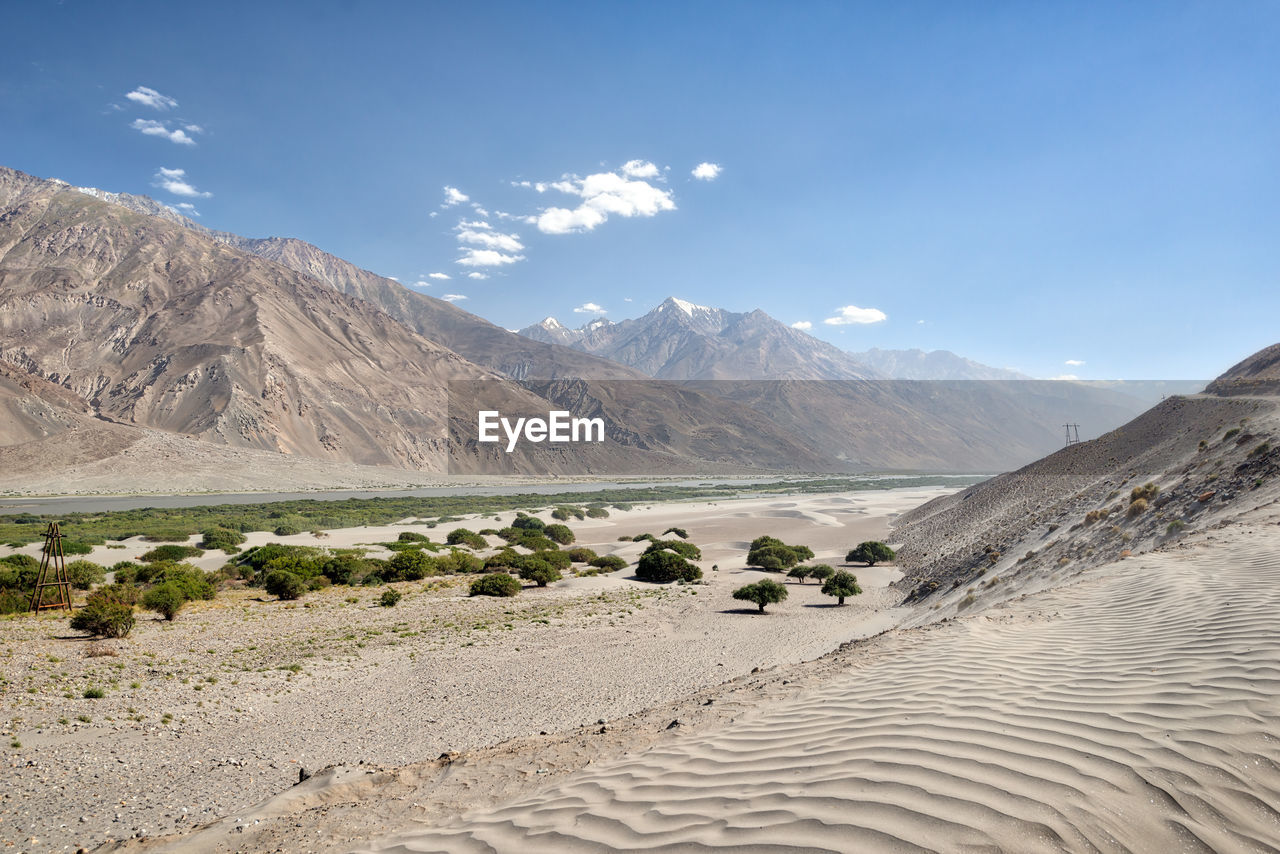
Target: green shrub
{"x": 609, "y": 563}
{"x": 495, "y": 584}
{"x": 119, "y": 593}
{"x": 772, "y": 554}
{"x": 1145, "y": 492}
{"x": 457, "y": 563}
{"x": 638, "y": 537}
{"x": 410, "y": 566}
{"x": 597, "y": 513}
{"x": 841, "y": 585}
{"x": 284, "y": 584}
{"x": 193, "y": 583}
{"x": 559, "y": 534}
{"x": 1136, "y": 508}
{"x": 462, "y": 536}
{"x": 287, "y": 530}
{"x": 104, "y": 619}
{"x": 764, "y": 592}
{"x": 221, "y": 538}
{"x": 84, "y": 574}
{"x": 390, "y": 597}
{"x": 663, "y": 566}
{"x": 73, "y": 547}
{"x": 679, "y": 532}
{"x": 412, "y": 537}
{"x": 1231, "y": 434}
{"x": 1260, "y": 450}
{"x": 1175, "y": 526}
{"x": 165, "y": 599}
{"x": 688, "y": 551}
{"x": 581, "y": 554}
{"x": 538, "y": 571}
{"x": 870, "y": 552}
{"x": 561, "y": 513}
{"x": 528, "y": 523}
{"x": 96, "y": 693}
{"x": 344, "y": 569}
{"x": 20, "y": 561}
{"x": 171, "y": 552}
{"x": 559, "y": 560}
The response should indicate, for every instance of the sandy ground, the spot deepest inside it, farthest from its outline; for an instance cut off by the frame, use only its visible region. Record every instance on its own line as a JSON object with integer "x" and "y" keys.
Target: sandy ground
{"x": 210, "y": 714}
{"x": 1136, "y": 709}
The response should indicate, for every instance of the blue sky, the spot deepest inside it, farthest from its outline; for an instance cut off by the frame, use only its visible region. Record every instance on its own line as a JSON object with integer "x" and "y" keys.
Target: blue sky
{"x": 1026, "y": 184}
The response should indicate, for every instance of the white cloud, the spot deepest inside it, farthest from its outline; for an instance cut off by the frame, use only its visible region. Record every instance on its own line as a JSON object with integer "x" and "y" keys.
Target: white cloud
{"x": 639, "y": 169}
{"x": 707, "y": 171}
{"x": 850, "y": 314}
{"x": 1068, "y": 377}
{"x": 920, "y": 323}
{"x": 590, "y": 308}
{"x": 149, "y": 97}
{"x": 477, "y": 275}
{"x": 454, "y": 196}
{"x": 187, "y": 208}
{"x": 452, "y": 297}
{"x": 1075, "y": 363}
{"x": 394, "y": 278}
{"x": 802, "y": 325}
{"x": 422, "y": 283}
{"x": 486, "y": 258}
{"x": 151, "y": 127}
{"x": 489, "y": 239}
{"x": 602, "y": 194}
{"x": 175, "y": 181}
{"x": 626, "y": 299}
{"x": 439, "y": 276}
{"x": 193, "y": 128}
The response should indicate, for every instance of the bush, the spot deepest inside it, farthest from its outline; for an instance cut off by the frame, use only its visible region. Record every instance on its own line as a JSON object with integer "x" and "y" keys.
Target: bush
{"x": 679, "y": 532}
{"x": 193, "y": 583}
{"x": 638, "y": 537}
{"x": 20, "y": 561}
{"x": 559, "y": 534}
{"x": 118, "y": 593}
{"x": 1175, "y": 526}
{"x": 221, "y": 538}
{"x": 764, "y": 592}
{"x": 688, "y": 551}
{"x": 609, "y": 563}
{"x": 165, "y": 599}
{"x": 495, "y": 584}
{"x": 284, "y": 584}
{"x": 287, "y": 530}
{"x": 840, "y": 585}
{"x": 104, "y": 619}
{"x": 84, "y": 574}
{"x": 73, "y": 547}
{"x": 663, "y": 566}
{"x": 581, "y": 555}
{"x": 464, "y": 537}
{"x": 800, "y": 573}
{"x": 390, "y": 598}
{"x": 538, "y": 571}
{"x": 505, "y": 557}
{"x": 772, "y": 554}
{"x": 869, "y": 552}
{"x": 344, "y": 569}
{"x": 171, "y": 552}
{"x": 1145, "y": 492}
{"x": 597, "y": 513}
{"x": 410, "y": 566}
{"x": 413, "y": 537}
{"x": 528, "y": 523}
{"x": 1136, "y": 508}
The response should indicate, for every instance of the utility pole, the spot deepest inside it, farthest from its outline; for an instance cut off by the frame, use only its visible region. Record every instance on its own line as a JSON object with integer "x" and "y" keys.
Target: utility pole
{"x": 1073, "y": 433}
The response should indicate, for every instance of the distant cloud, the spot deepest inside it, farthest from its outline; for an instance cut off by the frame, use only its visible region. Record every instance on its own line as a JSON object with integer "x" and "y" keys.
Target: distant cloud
{"x": 193, "y": 128}
{"x": 453, "y": 297}
{"x": 639, "y": 169}
{"x": 488, "y": 238}
{"x": 802, "y": 325}
{"x": 439, "y": 276}
{"x": 454, "y": 196}
{"x": 486, "y": 258}
{"x": 475, "y": 275}
{"x": 590, "y": 308}
{"x": 603, "y": 194}
{"x": 148, "y": 97}
{"x": 851, "y": 314}
{"x": 175, "y": 181}
{"x": 1068, "y": 377}
{"x": 1075, "y": 363}
{"x": 920, "y": 323}
{"x": 707, "y": 171}
{"x": 626, "y": 299}
{"x": 151, "y": 127}
{"x": 187, "y": 208}
{"x": 422, "y": 283}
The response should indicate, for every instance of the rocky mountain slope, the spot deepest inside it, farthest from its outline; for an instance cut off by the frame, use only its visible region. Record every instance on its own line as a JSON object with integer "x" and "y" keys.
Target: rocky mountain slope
{"x": 931, "y": 365}
{"x": 1187, "y": 464}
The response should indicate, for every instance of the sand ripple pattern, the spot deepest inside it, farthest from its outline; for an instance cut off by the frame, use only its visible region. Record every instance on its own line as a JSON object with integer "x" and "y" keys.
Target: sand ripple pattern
{"x": 1138, "y": 710}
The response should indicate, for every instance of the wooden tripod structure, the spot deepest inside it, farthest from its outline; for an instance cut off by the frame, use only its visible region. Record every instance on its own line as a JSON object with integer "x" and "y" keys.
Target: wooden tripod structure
{"x": 53, "y": 559}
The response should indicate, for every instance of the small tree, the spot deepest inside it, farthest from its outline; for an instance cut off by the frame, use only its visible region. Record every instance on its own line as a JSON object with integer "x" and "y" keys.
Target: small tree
{"x": 165, "y": 599}
{"x": 559, "y": 534}
{"x": 495, "y": 584}
{"x": 538, "y": 571}
{"x": 800, "y": 573}
{"x": 83, "y": 574}
{"x": 840, "y": 585}
{"x": 284, "y": 584}
{"x": 764, "y": 592}
{"x": 869, "y": 552}
{"x": 821, "y": 572}
{"x": 664, "y": 566}
{"x": 411, "y": 565}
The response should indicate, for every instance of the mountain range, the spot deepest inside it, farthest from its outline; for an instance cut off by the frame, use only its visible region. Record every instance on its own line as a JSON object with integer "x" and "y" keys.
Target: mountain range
{"x": 120, "y": 318}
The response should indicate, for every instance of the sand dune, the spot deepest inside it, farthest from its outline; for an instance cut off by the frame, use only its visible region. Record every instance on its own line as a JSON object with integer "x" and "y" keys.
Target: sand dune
{"x": 1133, "y": 710}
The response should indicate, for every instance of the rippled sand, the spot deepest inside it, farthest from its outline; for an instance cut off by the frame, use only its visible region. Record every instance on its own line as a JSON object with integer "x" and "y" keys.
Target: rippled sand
{"x": 1138, "y": 709}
